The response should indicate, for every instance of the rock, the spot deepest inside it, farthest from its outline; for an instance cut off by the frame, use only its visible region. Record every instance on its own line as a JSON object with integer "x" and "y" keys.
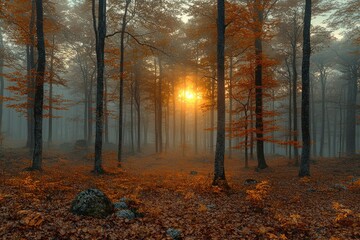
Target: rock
{"x": 193, "y": 173}
{"x": 92, "y": 202}
{"x": 211, "y": 206}
{"x": 174, "y": 233}
{"x": 250, "y": 181}
{"x": 126, "y": 213}
{"x": 340, "y": 186}
{"x": 120, "y": 205}
{"x": 311, "y": 190}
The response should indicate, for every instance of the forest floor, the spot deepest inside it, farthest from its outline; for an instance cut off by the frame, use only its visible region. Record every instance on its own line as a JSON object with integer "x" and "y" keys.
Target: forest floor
{"x": 174, "y": 191}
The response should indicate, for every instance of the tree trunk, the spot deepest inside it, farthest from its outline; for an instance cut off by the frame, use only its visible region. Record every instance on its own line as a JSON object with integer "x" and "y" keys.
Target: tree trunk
{"x": 231, "y": 107}
{"x": 322, "y": 136}
{"x": 351, "y": 112}
{"x": 259, "y": 91}
{"x": 313, "y": 125}
{"x": 294, "y": 89}
{"x": 290, "y": 111}
{"x": 156, "y": 112}
{"x": 160, "y": 118}
{"x": 121, "y": 98}
{"x": 51, "y": 92}
{"x": 138, "y": 105}
{"x": 219, "y": 168}
{"x": 106, "y": 112}
{"x": 305, "y": 101}
{"x": 100, "y": 34}
{"x": 39, "y": 88}
{"x": 132, "y": 135}
{"x": 31, "y": 82}
{"x": 1, "y": 76}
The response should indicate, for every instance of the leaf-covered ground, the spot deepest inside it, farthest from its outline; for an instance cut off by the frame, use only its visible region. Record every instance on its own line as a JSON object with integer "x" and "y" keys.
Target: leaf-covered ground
{"x": 174, "y": 192}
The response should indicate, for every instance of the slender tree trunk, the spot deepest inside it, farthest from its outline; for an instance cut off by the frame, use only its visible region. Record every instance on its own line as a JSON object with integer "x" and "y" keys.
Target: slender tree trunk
{"x": 259, "y": 91}
{"x": 90, "y": 114}
{"x": 160, "y": 99}
{"x": 39, "y": 88}
{"x": 31, "y": 79}
{"x": 305, "y": 101}
{"x": 121, "y": 98}
{"x": 174, "y": 113}
{"x": 341, "y": 150}
{"x": 132, "y": 135}
{"x": 322, "y": 136}
{"x": 51, "y": 92}
{"x": 156, "y": 112}
{"x": 219, "y": 167}
{"x": 230, "y": 109}
{"x": 212, "y": 119}
{"x": 138, "y": 105}
{"x": 290, "y": 111}
{"x": 100, "y": 33}
{"x": 106, "y": 112}
{"x": 294, "y": 89}
{"x": 246, "y": 138}
{"x": 196, "y": 107}
{"x": 252, "y": 130}
{"x": 1, "y": 76}
{"x": 314, "y": 128}
{"x": 351, "y": 112}
{"x": 328, "y": 130}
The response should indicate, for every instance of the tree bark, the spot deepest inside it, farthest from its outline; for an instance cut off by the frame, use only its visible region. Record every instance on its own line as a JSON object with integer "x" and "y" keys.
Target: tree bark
{"x": 121, "y": 98}
{"x": 39, "y": 88}
{"x": 31, "y": 81}
{"x": 294, "y": 89}
{"x": 305, "y": 101}
{"x": 352, "y": 90}
{"x": 219, "y": 168}
{"x": 51, "y": 78}
{"x": 259, "y": 125}
{"x": 100, "y": 34}
{"x": 1, "y": 76}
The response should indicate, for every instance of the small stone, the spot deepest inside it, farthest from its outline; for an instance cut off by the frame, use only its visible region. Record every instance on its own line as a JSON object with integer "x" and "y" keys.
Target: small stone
{"x": 193, "y": 173}
{"x": 250, "y": 181}
{"x": 174, "y": 233}
{"x": 127, "y": 214}
{"x": 120, "y": 205}
{"x": 211, "y": 206}
{"x": 311, "y": 190}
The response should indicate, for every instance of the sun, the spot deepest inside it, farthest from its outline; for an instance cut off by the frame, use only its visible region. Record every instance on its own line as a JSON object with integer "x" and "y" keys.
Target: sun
{"x": 189, "y": 96}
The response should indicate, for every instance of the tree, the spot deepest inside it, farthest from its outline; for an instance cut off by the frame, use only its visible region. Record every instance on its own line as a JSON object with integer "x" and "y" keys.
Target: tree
{"x": 219, "y": 168}
{"x": 121, "y": 98}
{"x": 305, "y": 101}
{"x": 100, "y": 34}
{"x": 1, "y": 75}
{"x": 39, "y": 88}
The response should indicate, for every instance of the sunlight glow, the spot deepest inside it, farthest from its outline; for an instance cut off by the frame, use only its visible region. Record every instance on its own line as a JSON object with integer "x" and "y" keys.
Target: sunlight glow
{"x": 189, "y": 96}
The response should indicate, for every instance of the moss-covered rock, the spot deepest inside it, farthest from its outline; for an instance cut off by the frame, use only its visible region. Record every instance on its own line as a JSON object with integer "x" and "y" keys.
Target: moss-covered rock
{"x": 92, "y": 202}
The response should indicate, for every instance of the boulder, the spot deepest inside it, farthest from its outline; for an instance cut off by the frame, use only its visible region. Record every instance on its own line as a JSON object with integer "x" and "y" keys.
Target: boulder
{"x": 126, "y": 213}
{"x": 92, "y": 202}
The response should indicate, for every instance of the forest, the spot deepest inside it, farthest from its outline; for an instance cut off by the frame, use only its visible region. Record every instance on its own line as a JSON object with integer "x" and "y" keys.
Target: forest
{"x": 174, "y": 119}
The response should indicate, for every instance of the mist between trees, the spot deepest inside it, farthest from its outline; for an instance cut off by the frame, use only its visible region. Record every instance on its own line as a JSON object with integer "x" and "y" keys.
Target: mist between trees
{"x": 161, "y": 71}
